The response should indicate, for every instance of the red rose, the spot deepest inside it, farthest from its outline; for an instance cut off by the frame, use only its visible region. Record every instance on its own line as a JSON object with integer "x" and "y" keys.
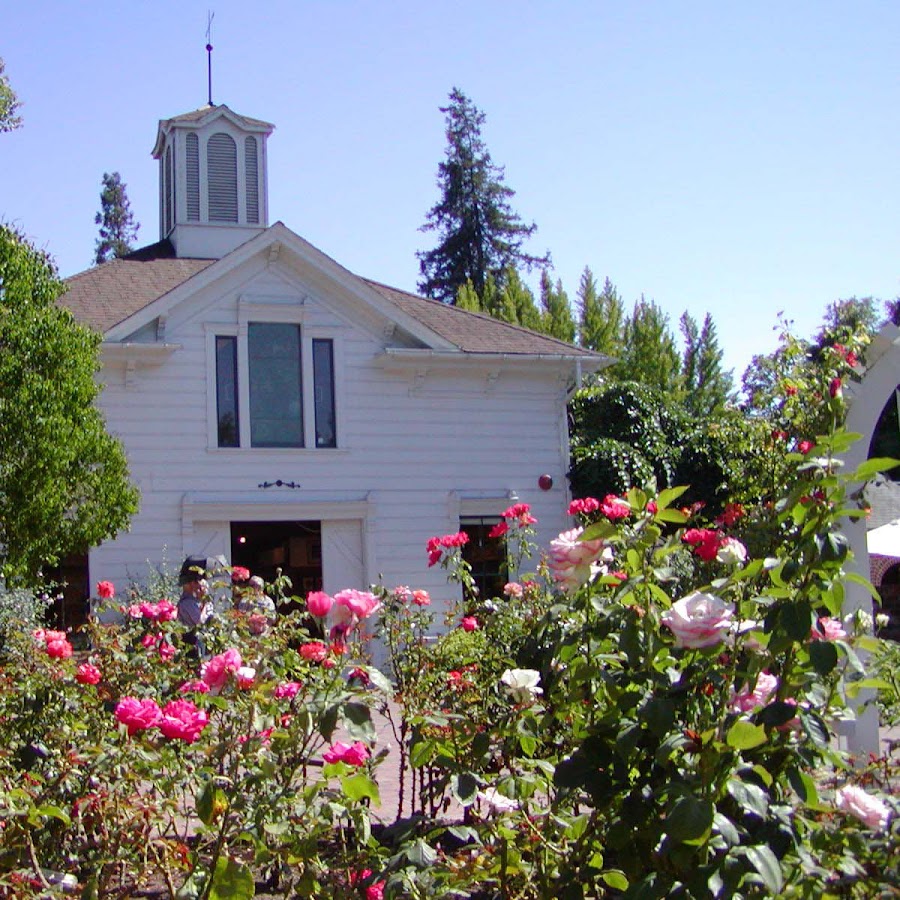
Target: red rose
{"x": 105, "y": 589}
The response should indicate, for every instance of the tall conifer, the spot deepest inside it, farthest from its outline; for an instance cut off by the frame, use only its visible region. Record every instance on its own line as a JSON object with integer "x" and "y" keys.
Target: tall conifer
{"x": 118, "y": 230}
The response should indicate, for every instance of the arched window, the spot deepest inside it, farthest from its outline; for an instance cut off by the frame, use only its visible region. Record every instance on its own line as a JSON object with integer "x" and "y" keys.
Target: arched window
{"x": 221, "y": 165}
{"x": 251, "y": 171}
{"x": 192, "y": 173}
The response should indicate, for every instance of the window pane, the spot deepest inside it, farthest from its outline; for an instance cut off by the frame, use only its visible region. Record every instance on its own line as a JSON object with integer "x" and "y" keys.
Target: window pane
{"x": 323, "y": 384}
{"x": 226, "y": 391}
{"x": 276, "y": 393}
{"x": 486, "y": 556}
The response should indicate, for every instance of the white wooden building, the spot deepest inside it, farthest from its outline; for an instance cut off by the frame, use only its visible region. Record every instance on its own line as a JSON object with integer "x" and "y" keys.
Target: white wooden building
{"x": 282, "y": 412}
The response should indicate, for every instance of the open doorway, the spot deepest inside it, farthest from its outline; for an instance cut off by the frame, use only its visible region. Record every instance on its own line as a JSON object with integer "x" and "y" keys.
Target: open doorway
{"x": 294, "y": 548}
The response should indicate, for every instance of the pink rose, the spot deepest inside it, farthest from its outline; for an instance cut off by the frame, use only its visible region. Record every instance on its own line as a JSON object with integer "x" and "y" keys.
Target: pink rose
{"x": 164, "y": 611}
{"x": 836, "y": 388}
{"x": 571, "y": 558}
{"x": 746, "y": 701}
{"x": 352, "y": 754}
{"x": 239, "y": 574}
{"x": 287, "y": 690}
{"x": 375, "y": 891}
{"x": 469, "y": 623}
{"x": 105, "y": 589}
{"x": 183, "y": 720}
{"x": 827, "y": 629}
{"x": 698, "y": 620}
{"x": 138, "y": 715}
{"x": 361, "y": 604}
{"x": 245, "y": 677}
{"x": 584, "y": 506}
{"x": 421, "y": 598}
{"x": 614, "y": 507}
{"x": 87, "y": 674}
{"x": 166, "y": 651}
{"x": 314, "y": 651}
{"x": 215, "y": 672}
{"x": 868, "y": 809}
{"x": 513, "y": 589}
{"x": 194, "y": 687}
{"x": 319, "y": 603}
{"x": 705, "y": 541}
{"x": 149, "y": 640}
{"x": 59, "y": 649}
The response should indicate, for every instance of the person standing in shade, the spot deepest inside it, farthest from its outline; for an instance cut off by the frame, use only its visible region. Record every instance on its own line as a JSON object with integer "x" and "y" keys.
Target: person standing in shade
{"x": 192, "y": 606}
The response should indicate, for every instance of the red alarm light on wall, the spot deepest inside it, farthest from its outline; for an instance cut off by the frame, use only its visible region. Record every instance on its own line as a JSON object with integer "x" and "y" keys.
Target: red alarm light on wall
{"x": 545, "y": 482}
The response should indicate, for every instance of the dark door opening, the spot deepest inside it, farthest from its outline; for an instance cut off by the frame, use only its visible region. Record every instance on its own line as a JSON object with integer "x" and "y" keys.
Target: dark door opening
{"x": 293, "y": 548}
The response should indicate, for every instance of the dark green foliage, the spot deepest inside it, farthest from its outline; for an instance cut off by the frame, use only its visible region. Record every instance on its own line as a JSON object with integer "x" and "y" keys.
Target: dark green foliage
{"x": 118, "y": 230}
{"x": 63, "y": 480}
{"x": 479, "y": 234}
{"x": 624, "y": 433}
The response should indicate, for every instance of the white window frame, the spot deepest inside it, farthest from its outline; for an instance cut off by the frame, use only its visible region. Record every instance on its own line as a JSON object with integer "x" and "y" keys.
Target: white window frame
{"x": 280, "y": 312}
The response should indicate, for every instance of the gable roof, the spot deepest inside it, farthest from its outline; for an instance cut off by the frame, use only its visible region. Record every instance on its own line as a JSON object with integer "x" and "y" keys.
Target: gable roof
{"x": 106, "y": 295}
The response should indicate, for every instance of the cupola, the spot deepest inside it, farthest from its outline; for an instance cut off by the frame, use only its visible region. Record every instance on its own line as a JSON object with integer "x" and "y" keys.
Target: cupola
{"x": 213, "y": 185}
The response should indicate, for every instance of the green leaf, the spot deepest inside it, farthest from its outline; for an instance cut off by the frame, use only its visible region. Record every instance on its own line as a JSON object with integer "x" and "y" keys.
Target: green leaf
{"x": 615, "y": 879}
{"x": 724, "y": 826}
{"x": 49, "y": 811}
{"x": 421, "y": 854}
{"x": 744, "y": 735}
{"x": 598, "y": 530}
{"x": 231, "y": 881}
{"x": 359, "y": 787}
{"x": 689, "y": 818}
{"x": 766, "y": 863}
{"x": 211, "y": 803}
{"x": 824, "y": 656}
{"x": 795, "y": 619}
{"x": 750, "y": 797}
{"x": 670, "y": 495}
{"x": 873, "y": 466}
{"x": 804, "y": 786}
{"x": 357, "y": 719}
{"x": 675, "y": 516}
{"x": 464, "y": 787}
{"x": 876, "y": 684}
{"x": 815, "y": 728}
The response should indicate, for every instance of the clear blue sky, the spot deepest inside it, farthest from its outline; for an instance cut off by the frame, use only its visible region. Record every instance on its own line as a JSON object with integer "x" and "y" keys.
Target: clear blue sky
{"x": 740, "y": 159}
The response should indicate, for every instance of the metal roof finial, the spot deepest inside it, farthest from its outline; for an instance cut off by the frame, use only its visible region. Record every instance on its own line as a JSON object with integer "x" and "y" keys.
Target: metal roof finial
{"x": 209, "y": 48}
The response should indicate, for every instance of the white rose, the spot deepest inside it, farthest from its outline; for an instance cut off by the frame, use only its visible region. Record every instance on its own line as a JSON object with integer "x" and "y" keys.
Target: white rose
{"x": 522, "y": 684}
{"x": 731, "y": 552}
{"x": 698, "y": 620}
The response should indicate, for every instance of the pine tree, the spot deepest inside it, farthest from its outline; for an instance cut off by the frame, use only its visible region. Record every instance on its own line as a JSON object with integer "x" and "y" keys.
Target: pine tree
{"x": 601, "y": 315}
{"x": 649, "y": 354}
{"x": 479, "y": 234}
{"x": 556, "y": 316}
{"x": 117, "y": 226}
{"x": 707, "y": 388}
{"x": 467, "y": 298}
{"x": 10, "y": 120}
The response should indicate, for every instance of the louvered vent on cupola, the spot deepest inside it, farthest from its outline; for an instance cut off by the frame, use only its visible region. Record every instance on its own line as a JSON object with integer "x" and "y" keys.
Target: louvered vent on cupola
{"x": 192, "y": 175}
{"x": 221, "y": 164}
{"x": 170, "y": 199}
{"x": 251, "y": 166}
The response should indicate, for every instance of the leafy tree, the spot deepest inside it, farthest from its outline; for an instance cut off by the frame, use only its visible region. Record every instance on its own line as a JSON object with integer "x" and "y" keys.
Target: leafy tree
{"x": 556, "y": 315}
{"x": 117, "y": 226}
{"x": 601, "y": 315}
{"x": 63, "y": 480}
{"x": 9, "y": 104}
{"x": 648, "y": 354}
{"x": 707, "y": 388}
{"x": 479, "y": 234}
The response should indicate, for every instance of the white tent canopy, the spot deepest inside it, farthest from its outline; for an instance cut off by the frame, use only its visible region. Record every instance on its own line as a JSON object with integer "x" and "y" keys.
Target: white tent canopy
{"x": 885, "y": 540}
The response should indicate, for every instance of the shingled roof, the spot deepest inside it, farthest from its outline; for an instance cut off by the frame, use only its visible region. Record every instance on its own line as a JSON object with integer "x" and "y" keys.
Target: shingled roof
{"x": 201, "y": 113}
{"x": 105, "y": 295}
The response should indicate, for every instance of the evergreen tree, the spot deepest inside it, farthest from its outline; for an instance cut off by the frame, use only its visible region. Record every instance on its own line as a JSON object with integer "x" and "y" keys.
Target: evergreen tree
{"x": 117, "y": 226}
{"x": 478, "y": 232}
{"x": 707, "y": 388}
{"x": 649, "y": 355}
{"x": 63, "y": 480}
{"x": 516, "y": 302}
{"x": 467, "y": 297}
{"x": 601, "y": 315}
{"x": 9, "y": 104}
{"x": 556, "y": 315}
